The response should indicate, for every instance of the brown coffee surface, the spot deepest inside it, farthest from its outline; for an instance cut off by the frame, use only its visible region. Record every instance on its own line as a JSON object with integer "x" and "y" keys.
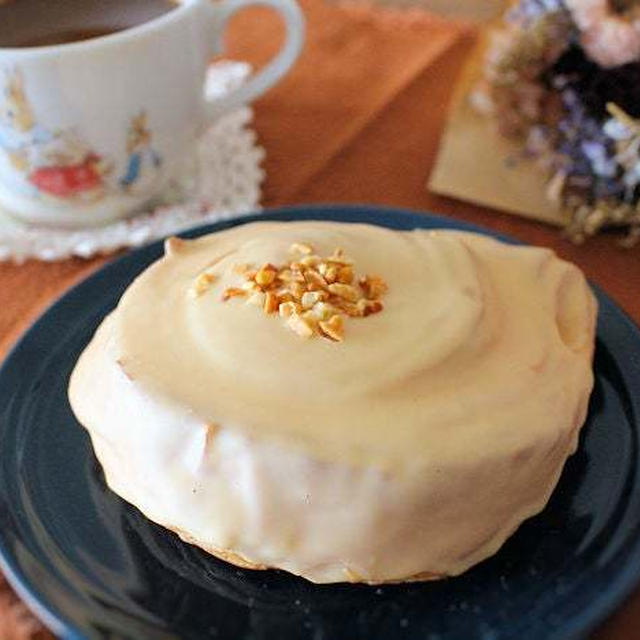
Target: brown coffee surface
{"x": 63, "y": 37}
{"x": 39, "y": 23}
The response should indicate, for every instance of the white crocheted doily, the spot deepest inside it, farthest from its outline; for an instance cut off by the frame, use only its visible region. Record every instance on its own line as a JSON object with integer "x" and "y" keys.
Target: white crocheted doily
{"x": 228, "y": 185}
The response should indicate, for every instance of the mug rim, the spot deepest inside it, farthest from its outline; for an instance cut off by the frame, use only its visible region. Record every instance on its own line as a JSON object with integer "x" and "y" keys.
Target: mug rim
{"x": 155, "y": 24}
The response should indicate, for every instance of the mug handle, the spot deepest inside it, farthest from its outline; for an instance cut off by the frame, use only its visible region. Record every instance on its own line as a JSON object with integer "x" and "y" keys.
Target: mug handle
{"x": 273, "y": 70}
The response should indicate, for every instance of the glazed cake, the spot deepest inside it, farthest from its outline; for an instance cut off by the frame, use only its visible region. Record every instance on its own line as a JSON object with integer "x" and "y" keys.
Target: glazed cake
{"x": 345, "y": 402}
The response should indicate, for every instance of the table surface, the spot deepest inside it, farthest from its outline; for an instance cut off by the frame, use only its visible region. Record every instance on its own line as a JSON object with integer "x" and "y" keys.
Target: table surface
{"x": 358, "y": 120}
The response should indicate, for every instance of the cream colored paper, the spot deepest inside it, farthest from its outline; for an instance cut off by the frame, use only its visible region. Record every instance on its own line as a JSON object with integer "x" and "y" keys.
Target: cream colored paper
{"x": 477, "y": 164}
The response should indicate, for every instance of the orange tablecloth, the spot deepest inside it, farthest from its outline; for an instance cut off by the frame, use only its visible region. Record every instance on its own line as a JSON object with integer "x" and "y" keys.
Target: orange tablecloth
{"x": 358, "y": 120}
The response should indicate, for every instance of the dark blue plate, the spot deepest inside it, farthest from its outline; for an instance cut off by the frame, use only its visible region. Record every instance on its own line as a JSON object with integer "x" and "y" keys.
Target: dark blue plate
{"x": 93, "y": 567}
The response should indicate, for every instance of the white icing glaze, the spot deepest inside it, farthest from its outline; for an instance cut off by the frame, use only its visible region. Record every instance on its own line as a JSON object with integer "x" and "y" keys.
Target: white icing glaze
{"x": 416, "y": 445}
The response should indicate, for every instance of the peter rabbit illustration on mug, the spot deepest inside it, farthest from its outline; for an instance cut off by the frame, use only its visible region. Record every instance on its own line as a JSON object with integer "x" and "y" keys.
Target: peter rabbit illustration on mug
{"x": 51, "y": 164}
{"x": 143, "y": 161}
{"x": 59, "y": 165}
{"x": 18, "y": 130}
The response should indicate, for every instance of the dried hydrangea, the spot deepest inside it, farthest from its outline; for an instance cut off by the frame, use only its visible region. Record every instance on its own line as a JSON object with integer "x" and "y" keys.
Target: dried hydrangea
{"x": 552, "y": 78}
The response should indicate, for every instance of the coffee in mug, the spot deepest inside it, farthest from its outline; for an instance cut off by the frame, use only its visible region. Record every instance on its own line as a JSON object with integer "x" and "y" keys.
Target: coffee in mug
{"x": 41, "y": 23}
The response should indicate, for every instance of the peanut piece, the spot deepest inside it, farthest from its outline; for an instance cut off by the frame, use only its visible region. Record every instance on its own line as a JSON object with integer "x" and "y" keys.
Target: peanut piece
{"x": 265, "y": 275}
{"x": 369, "y": 307}
{"x": 233, "y": 292}
{"x": 314, "y": 279}
{"x": 345, "y": 291}
{"x": 323, "y": 310}
{"x": 300, "y": 326}
{"x": 202, "y": 284}
{"x": 310, "y": 298}
{"x": 287, "y": 309}
{"x": 257, "y": 298}
{"x": 345, "y": 275}
{"x": 310, "y": 261}
{"x": 271, "y": 302}
{"x": 333, "y": 328}
{"x": 373, "y": 286}
{"x": 241, "y": 269}
{"x": 301, "y": 247}
{"x": 332, "y": 273}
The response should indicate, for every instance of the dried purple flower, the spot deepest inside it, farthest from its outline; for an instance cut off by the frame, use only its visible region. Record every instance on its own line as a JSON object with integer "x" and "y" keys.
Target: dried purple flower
{"x": 580, "y": 119}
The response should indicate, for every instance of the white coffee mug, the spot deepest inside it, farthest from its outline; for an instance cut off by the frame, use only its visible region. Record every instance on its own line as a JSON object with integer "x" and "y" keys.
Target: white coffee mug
{"x": 91, "y": 131}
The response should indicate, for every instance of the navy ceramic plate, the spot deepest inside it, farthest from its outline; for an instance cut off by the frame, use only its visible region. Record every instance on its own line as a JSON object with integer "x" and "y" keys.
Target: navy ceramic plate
{"x": 93, "y": 567}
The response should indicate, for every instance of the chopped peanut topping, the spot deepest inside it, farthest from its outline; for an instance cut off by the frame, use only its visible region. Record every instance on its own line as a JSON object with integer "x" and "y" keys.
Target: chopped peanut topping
{"x": 202, "y": 284}
{"x": 286, "y": 275}
{"x": 271, "y": 302}
{"x": 310, "y": 319}
{"x": 310, "y": 298}
{"x": 345, "y": 274}
{"x": 287, "y": 309}
{"x": 349, "y": 308}
{"x": 344, "y": 291}
{"x": 330, "y": 272}
{"x": 284, "y": 296}
{"x": 323, "y": 310}
{"x": 339, "y": 258}
{"x": 266, "y": 275}
{"x": 313, "y": 294}
{"x": 241, "y": 269}
{"x": 314, "y": 280}
{"x": 301, "y": 247}
{"x": 300, "y": 325}
{"x": 373, "y": 287}
{"x": 333, "y": 328}
{"x": 249, "y": 276}
{"x": 257, "y": 298}
{"x": 297, "y": 290}
{"x": 310, "y": 261}
{"x": 370, "y": 306}
{"x": 233, "y": 292}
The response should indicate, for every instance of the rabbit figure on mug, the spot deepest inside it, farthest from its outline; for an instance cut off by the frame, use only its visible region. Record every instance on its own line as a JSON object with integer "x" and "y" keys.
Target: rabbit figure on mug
{"x": 56, "y": 164}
